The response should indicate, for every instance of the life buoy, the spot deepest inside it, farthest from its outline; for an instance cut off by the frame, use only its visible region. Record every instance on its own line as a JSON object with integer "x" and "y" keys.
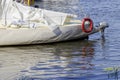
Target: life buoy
{"x": 90, "y": 25}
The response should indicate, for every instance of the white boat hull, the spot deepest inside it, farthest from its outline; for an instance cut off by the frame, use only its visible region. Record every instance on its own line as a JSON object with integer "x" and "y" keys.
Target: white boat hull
{"x": 22, "y": 36}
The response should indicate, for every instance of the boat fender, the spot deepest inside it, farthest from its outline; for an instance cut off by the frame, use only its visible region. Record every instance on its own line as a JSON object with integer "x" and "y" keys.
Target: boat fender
{"x": 90, "y": 28}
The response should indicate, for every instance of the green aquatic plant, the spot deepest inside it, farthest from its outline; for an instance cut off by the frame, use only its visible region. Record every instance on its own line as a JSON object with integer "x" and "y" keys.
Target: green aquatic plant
{"x": 108, "y": 69}
{"x": 112, "y": 72}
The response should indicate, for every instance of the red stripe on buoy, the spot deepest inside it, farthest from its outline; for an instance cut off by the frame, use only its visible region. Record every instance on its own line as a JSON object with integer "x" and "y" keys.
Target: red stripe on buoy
{"x": 90, "y": 27}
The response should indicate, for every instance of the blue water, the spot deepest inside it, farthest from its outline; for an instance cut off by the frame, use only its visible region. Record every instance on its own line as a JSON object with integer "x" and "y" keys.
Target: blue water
{"x": 75, "y": 60}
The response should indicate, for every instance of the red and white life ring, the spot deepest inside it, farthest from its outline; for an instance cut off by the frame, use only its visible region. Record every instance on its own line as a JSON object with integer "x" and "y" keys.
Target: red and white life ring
{"x": 90, "y": 26}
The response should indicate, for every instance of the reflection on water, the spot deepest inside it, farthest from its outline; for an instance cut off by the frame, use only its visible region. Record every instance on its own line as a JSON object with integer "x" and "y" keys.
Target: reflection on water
{"x": 60, "y": 60}
{"x": 70, "y": 60}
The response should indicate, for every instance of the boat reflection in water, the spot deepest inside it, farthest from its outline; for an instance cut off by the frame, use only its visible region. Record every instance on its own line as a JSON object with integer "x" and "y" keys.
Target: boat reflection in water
{"x": 70, "y": 60}
{"x": 62, "y": 61}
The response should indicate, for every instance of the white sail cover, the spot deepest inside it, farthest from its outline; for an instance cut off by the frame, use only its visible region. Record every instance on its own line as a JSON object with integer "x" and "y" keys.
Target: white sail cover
{"x": 13, "y": 13}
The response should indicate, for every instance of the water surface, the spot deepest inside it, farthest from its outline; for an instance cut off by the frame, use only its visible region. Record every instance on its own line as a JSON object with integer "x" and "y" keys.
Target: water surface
{"x": 76, "y": 60}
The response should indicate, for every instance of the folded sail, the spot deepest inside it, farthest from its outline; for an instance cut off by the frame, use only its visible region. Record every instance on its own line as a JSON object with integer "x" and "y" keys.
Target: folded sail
{"x": 16, "y": 13}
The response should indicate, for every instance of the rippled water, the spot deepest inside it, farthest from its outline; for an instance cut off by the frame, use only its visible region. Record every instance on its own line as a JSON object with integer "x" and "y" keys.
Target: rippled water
{"x": 76, "y": 60}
